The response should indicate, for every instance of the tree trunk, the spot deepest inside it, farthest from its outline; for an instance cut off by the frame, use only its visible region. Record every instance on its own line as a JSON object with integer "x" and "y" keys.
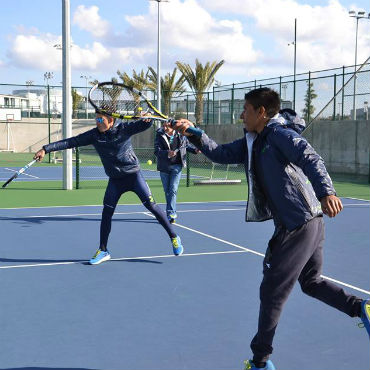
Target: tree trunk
{"x": 199, "y": 109}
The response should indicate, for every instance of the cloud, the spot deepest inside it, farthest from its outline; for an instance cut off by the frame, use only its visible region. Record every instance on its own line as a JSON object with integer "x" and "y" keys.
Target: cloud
{"x": 88, "y": 19}
{"x": 325, "y": 33}
{"x": 37, "y": 51}
{"x": 189, "y": 31}
{"x": 208, "y": 30}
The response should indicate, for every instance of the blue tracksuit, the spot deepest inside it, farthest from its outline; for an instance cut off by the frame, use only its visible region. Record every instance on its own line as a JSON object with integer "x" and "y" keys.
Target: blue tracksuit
{"x": 121, "y": 166}
{"x": 286, "y": 179}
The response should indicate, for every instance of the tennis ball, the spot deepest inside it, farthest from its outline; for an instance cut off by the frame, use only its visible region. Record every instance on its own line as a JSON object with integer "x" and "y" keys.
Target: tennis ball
{"x": 149, "y": 162}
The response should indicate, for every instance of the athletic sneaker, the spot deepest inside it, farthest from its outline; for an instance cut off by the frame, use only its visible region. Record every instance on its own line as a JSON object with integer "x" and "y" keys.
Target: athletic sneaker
{"x": 99, "y": 257}
{"x": 249, "y": 365}
{"x": 172, "y": 219}
{"x": 365, "y": 314}
{"x": 177, "y": 246}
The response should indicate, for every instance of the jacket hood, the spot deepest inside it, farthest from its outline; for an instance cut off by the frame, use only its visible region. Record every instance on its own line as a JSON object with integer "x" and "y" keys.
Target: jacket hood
{"x": 288, "y": 118}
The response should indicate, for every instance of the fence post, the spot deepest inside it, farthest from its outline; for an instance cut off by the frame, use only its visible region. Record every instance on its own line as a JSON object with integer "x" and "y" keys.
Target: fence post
{"x": 77, "y": 168}
{"x": 187, "y": 106}
{"x": 213, "y": 105}
{"x": 207, "y": 120}
{"x": 280, "y": 87}
{"x": 343, "y": 94}
{"x": 187, "y": 169}
{"x": 49, "y": 130}
{"x": 232, "y": 105}
{"x": 309, "y": 97}
{"x": 335, "y": 99}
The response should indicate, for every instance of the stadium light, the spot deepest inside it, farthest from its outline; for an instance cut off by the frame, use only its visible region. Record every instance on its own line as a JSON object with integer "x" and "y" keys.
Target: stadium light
{"x": 159, "y": 55}
{"x": 358, "y": 15}
{"x": 295, "y": 58}
{"x": 86, "y": 79}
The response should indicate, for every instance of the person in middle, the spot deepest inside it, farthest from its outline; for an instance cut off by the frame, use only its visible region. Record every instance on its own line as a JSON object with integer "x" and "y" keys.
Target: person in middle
{"x": 170, "y": 149}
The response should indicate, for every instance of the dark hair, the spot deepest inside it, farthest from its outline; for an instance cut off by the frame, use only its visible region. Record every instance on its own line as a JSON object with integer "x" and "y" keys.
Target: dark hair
{"x": 264, "y": 97}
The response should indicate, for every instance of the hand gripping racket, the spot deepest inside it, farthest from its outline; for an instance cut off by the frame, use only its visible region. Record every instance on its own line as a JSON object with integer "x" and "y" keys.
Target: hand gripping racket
{"x": 121, "y": 101}
{"x": 19, "y": 172}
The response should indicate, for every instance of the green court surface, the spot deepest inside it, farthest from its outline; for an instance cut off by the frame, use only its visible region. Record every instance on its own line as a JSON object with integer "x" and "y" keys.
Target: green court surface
{"x": 50, "y": 193}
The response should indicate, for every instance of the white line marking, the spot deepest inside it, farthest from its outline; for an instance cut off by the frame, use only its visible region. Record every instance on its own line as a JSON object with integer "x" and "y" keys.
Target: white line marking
{"x": 23, "y": 173}
{"x": 132, "y": 204}
{"x": 172, "y": 256}
{"x": 363, "y": 200}
{"x": 242, "y": 249}
{"x": 118, "y": 259}
{"x": 356, "y": 205}
{"x": 346, "y": 285}
{"x": 119, "y": 213}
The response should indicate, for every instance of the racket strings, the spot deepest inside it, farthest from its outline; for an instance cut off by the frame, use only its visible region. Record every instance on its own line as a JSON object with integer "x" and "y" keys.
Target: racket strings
{"x": 117, "y": 99}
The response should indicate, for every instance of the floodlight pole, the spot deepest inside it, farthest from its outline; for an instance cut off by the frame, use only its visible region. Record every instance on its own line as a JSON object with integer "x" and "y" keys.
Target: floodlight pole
{"x": 159, "y": 54}
{"x": 295, "y": 60}
{"x": 358, "y": 15}
{"x": 67, "y": 95}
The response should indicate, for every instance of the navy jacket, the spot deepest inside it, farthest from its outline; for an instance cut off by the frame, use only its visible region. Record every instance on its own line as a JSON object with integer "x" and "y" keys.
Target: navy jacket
{"x": 161, "y": 148}
{"x": 286, "y": 177}
{"x": 113, "y": 146}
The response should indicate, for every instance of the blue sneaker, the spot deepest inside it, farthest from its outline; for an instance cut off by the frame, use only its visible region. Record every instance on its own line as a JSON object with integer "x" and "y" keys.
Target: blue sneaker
{"x": 365, "y": 314}
{"x": 249, "y": 365}
{"x": 177, "y": 246}
{"x": 99, "y": 257}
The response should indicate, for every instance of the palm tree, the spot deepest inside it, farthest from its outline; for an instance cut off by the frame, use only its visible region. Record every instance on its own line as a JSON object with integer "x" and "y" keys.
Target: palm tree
{"x": 199, "y": 80}
{"x": 169, "y": 86}
{"x": 138, "y": 81}
{"x": 76, "y": 100}
{"x": 113, "y": 93}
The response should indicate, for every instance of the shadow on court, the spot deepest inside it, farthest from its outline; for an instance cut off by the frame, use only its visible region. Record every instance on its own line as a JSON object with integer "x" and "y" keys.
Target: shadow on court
{"x": 82, "y": 262}
{"x": 44, "y": 219}
{"x": 48, "y": 368}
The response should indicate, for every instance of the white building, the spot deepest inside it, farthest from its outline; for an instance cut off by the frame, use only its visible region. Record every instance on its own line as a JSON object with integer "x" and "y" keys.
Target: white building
{"x": 38, "y": 100}
{"x": 11, "y": 107}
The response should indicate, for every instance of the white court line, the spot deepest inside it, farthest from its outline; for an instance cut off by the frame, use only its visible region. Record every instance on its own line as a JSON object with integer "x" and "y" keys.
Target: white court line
{"x": 356, "y": 205}
{"x": 242, "y": 249}
{"x": 118, "y": 259}
{"x": 146, "y": 213}
{"x": 262, "y": 255}
{"x": 25, "y": 174}
{"x": 120, "y": 213}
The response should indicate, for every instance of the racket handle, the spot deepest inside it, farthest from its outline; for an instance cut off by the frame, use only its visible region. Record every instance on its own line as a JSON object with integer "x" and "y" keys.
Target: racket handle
{"x": 191, "y": 130}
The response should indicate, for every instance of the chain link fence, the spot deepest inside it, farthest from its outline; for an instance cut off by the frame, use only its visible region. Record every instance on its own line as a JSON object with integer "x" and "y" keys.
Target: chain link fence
{"x": 30, "y": 116}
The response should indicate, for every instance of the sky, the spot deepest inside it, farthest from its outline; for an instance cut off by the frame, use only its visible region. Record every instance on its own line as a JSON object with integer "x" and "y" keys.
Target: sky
{"x": 252, "y": 37}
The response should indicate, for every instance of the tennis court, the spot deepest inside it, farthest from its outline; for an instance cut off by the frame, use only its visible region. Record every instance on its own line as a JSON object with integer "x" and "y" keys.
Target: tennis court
{"x": 147, "y": 309}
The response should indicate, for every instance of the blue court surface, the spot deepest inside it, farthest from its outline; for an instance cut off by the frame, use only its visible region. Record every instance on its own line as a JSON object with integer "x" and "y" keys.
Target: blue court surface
{"x": 53, "y": 173}
{"x": 147, "y": 309}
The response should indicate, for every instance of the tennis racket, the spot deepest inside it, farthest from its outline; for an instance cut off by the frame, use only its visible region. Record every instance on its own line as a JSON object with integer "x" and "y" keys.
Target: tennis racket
{"x": 19, "y": 172}
{"x": 121, "y": 101}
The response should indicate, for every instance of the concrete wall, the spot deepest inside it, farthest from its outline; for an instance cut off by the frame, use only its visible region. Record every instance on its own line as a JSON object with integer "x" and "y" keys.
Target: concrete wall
{"x": 344, "y": 145}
